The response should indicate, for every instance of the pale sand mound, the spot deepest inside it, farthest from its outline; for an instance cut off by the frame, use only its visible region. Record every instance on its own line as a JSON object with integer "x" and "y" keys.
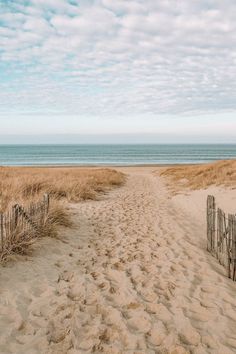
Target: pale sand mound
{"x": 132, "y": 277}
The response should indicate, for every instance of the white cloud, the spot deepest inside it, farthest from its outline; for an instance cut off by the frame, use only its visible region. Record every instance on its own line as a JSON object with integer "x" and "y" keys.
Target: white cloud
{"x": 118, "y": 57}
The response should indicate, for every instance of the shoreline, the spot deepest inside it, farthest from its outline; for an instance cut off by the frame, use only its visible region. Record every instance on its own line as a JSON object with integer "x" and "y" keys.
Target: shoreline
{"x": 113, "y": 166}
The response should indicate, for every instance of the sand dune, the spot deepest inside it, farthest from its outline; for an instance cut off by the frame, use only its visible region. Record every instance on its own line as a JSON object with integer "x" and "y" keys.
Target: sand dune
{"x": 133, "y": 276}
{"x": 201, "y": 176}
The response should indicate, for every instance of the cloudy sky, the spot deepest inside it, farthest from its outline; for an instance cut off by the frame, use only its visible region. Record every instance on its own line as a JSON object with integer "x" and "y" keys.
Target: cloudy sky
{"x": 164, "y": 67}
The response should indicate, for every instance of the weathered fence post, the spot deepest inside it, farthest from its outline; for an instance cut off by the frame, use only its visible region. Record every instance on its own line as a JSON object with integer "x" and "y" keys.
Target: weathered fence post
{"x": 211, "y": 213}
{"x": 231, "y": 249}
{"x": 46, "y": 202}
{"x": 221, "y": 236}
{"x": 234, "y": 247}
{"x": 16, "y": 215}
{"x": 224, "y": 246}
{"x": 2, "y": 231}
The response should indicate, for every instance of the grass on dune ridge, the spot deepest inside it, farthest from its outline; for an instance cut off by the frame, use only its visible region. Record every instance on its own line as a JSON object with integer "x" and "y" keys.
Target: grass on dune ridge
{"x": 202, "y": 176}
{"x": 24, "y": 185}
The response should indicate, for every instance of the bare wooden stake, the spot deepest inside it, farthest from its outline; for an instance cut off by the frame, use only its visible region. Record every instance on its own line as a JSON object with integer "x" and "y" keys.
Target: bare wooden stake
{"x": 2, "y": 231}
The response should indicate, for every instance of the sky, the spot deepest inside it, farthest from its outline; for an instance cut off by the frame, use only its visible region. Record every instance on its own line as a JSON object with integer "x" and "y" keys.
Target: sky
{"x": 162, "y": 70}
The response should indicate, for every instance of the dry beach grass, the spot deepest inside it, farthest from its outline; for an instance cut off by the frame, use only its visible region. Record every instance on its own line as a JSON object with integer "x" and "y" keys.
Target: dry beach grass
{"x": 27, "y": 185}
{"x": 23, "y": 185}
{"x": 202, "y": 176}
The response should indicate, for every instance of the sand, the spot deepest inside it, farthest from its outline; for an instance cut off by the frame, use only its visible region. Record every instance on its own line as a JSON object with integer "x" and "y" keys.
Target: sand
{"x": 132, "y": 276}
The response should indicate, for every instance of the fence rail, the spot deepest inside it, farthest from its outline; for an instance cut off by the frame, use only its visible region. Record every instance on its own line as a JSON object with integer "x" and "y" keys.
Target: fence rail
{"x": 221, "y": 236}
{"x": 19, "y": 224}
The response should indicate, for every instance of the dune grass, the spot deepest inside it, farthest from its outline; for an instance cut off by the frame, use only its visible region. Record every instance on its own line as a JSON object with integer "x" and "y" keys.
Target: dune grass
{"x": 27, "y": 185}
{"x": 202, "y": 176}
{"x": 20, "y": 239}
{"x": 23, "y": 185}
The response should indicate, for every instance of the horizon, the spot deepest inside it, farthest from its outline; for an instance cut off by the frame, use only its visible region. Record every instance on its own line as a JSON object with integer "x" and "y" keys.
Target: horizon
{"x": 111, "y": 139}
{"x": 113, "y": 144}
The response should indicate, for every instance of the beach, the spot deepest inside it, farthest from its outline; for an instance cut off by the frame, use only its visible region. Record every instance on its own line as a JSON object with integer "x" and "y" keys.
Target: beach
{"x": 117, "y": 177}
{"x": 131, "y": 276}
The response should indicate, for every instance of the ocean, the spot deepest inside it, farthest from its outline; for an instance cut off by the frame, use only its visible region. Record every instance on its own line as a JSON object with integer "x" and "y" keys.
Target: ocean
{"x": 32, "y": 155}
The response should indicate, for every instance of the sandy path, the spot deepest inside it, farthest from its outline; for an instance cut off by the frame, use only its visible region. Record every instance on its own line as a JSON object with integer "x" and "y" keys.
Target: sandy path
{"x": 132, "y": 277}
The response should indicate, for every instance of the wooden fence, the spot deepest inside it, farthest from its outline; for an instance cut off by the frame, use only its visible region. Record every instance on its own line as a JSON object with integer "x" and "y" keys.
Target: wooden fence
{"x": 221, "y": 236}
{"x": 18, "y": 223}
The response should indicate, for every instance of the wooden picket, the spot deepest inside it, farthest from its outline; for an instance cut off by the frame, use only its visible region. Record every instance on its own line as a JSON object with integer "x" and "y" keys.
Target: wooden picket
{"x": 19, "y": 222}
{"x": 221, "y": 236}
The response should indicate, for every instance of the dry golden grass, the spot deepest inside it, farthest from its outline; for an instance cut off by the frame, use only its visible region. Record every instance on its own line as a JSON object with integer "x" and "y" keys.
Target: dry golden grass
{"x": 20, "y": 240}
{"x": 22, "y": 185}
{"x": 26, "y": 185}
{"x": 202, "y": 176}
